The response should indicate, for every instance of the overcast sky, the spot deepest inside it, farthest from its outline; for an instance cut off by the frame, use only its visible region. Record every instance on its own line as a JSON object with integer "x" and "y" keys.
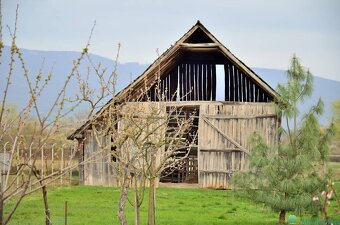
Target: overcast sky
{"x": 262, "y": 33}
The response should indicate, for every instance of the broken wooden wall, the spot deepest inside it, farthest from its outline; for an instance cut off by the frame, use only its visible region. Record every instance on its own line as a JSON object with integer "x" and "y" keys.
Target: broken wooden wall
{"x": 224, "y": 129}
{"x": 97, "y": 162}
{"x": 224, "y": 133}
{"x": 193, "y": 78}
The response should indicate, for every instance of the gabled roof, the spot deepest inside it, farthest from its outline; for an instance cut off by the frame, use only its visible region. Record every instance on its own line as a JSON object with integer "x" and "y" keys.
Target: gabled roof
{"x": 198, "y": 38}
{"x": 187, "y": 41}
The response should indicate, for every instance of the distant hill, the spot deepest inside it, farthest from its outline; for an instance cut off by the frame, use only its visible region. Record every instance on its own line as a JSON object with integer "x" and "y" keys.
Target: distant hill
{"x": 327, "y": 90}
{"x": 61, "y": 61}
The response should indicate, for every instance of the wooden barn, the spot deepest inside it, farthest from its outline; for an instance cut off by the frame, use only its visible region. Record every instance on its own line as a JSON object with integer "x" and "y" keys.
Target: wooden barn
{"x": 230, "y": 102}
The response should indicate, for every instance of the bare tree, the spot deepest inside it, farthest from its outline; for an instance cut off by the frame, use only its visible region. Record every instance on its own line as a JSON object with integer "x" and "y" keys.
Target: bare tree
{"x": 137, "y": 136}
{"x": 19, "y": 175}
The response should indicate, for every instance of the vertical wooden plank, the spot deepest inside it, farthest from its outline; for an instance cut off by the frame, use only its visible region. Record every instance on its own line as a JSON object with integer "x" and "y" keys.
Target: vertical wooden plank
{"x": 241, "y": 126}
{"x": 249, "y": 90}
{"x": 199, "y": 154}
{"x": 173, "y": 84}
{"x": 241, "y": 86}
{"x": 164, "y": 92}
{"x": 187, "y": 73}
{"x": 215, "y": 121}
{"x": 184, "y": 80}
{"x": 189, "y": 87}
{"x": 253, "y": 96}
{"x": 234, "y": 134}
{"x": 213, "y": 82}
{"x": 160, "y": 93}
{"x": 204, "y": 82}
{"x": 208, "y": 82}
{"x": 232, "y": 161}
{"x": 232, "y": 83}
{"x": 167, "y": 88}
{"x": 200, "y": 88}
{"x": 180, "y": 81}
{"x": 192, "y": 82}
{"x": 187, "y": 82}
{"x": 244, "y": 88}
{"x": 256, "y": 93}
{"x": 226, "y": 82}
{"x": 197, "y": 81}
{"x": 237, "y": 85}
{"x": 247, "y": 87}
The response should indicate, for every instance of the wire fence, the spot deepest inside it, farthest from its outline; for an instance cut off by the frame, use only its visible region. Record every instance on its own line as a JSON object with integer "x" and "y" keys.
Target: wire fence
{"x": 57, "y": 163}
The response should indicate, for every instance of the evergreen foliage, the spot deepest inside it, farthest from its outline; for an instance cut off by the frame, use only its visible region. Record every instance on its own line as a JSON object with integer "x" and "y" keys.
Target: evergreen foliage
{"x": 287, "y": 177}
{"x": 336, "y": 115}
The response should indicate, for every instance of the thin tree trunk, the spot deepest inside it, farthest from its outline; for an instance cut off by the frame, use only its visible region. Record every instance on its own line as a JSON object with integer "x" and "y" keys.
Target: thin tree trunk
{"x": 152, "y": 202}
{"x": 47, "y": 210}
{"x": 44, "y": 194}
{"x": 1, "y": 208}
{"x": 136, "y": 203}
{"x": 123, "y": 196}
{"x": 282, "y": 217}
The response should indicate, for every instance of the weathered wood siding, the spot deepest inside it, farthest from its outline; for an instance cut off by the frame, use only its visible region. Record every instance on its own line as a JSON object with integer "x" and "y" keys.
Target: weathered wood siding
{"x": 97, "y": 162}
{"x": 195, "y": 80}
{"x": 224, "y": 132}
{"x": 223, "y": 140}
{"x": 99, "y": 168}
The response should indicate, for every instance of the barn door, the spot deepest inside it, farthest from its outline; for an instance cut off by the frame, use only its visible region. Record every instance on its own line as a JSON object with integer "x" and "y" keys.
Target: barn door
{"x": 187, "y": 170}
{"x": 223, "y": 139}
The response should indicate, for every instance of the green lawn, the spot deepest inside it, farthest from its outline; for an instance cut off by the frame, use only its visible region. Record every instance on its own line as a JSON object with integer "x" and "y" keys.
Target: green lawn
{"x": 97, "y": 205}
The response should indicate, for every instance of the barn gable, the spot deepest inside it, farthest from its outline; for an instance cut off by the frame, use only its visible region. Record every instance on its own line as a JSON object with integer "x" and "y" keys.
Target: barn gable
{"x": 187, "y": 72}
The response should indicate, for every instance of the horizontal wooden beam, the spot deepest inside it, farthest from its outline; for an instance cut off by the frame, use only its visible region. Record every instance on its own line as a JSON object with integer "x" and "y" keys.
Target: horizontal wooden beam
{"x": 216, "y": 171}
{"x": 199, "y": 45}
{"x": 239, "y": 117}
{"x": 198, "y": 103}
{"x": 222, "y": 150}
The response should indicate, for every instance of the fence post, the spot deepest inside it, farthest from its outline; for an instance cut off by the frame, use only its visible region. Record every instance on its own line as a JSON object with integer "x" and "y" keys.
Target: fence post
{"x": 65, "y": 212}
{"x": 30, "y": 155}
{"x": 70, "y": 163}
{"x": 62, "y": 165}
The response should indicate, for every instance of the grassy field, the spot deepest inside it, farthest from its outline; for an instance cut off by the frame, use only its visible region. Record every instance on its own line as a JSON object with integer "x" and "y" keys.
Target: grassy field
{"x": 97, "y": 205}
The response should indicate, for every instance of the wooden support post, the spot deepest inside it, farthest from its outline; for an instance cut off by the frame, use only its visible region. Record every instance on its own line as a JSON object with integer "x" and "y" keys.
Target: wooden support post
{"x": 65, "y": 212}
